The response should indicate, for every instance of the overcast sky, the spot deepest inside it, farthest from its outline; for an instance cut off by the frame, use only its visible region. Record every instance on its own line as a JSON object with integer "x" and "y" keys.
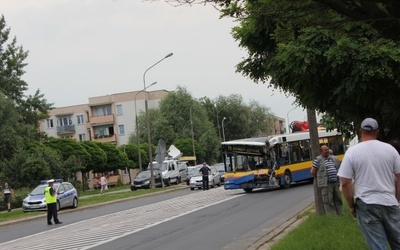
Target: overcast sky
{"x": 85, "y": 48}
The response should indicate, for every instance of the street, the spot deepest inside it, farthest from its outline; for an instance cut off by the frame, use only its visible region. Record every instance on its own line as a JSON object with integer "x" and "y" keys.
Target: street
{"x": 214, "y": 219}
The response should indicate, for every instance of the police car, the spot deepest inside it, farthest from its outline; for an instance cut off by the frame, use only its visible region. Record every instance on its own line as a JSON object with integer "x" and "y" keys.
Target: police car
{"x": 67, "y": 196}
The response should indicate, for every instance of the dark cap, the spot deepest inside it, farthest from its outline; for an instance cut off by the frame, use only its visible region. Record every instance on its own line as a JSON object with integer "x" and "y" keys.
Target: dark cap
{"x": 369, "y": 124}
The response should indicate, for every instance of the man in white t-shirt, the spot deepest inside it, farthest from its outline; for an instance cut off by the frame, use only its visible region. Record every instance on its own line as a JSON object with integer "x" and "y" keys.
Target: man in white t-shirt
{"x": 370, "y": 171}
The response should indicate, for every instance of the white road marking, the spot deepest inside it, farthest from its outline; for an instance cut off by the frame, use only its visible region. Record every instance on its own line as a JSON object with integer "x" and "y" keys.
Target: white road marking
{"x": 100, "y": 230}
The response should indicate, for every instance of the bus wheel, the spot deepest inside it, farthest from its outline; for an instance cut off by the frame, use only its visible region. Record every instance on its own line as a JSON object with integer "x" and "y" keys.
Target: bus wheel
{"x": 248, "y": 190}
{"x": 287, "y": 179}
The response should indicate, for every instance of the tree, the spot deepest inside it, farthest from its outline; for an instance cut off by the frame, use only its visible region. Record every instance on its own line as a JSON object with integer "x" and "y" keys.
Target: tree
{"x": 24, "y": 113}
{"x": 171, "y": 122}
{"x": 381, "y": 15}
{"x": 186, "y": 147}
{"x": 338, "y": 71}
{"x": 10, "y": 140}
{"x": 72, "y": 153}
{"x": 333, "y": 56}
{"x": 116, "y": 159}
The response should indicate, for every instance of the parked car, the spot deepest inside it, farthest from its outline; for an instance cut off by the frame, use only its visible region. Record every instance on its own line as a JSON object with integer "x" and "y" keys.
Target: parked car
{"x": 183, "y": 171}
{"x": 196, "y": 180}
{"x": 221, "y": 169}
{"x": 190, "y": 173}
{"x": 67, "y": 196}
{"x": 143, "y": 179}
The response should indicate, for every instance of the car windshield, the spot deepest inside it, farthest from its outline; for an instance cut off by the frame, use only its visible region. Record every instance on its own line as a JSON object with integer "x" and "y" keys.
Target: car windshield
{"x": 39, "y": 190}
{"x": 163, "y": 166}
{"x": 143, "y": 175}
{"x": 195, "y": 171}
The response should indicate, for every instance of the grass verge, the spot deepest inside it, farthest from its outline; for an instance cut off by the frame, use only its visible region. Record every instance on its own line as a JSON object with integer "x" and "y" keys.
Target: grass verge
{"x": 324, "y": 232}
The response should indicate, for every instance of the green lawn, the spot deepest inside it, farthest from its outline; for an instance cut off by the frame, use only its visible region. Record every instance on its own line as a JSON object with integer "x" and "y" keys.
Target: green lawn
{"x": 320, "y": 232}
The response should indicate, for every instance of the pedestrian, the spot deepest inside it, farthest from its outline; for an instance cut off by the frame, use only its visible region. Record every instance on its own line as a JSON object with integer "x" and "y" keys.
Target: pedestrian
{"x": 325, "y": 169}
{"x": 103, "y": 183}
{"x": 370, "y": 171}
{"x": 205, "y": 171}
{"x": 51, "y": 201}
{"x": 7, "y": 191}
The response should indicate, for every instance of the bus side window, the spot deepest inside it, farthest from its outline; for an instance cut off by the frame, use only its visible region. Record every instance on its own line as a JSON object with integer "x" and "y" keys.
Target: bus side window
{"x": 305, "y": 147}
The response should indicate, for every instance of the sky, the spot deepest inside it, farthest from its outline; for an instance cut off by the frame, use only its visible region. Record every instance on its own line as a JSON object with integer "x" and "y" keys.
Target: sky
{"x": 86, "y": 48}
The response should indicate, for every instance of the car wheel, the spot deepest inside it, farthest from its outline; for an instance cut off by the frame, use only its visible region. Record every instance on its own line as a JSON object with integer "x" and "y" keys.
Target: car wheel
{"x": 212, "y": 184}
{"x": 75, "y": 203}
{"x": 192, "y": 189}
{"x": 178, "y": 180}
{"x": 168, "y": 182}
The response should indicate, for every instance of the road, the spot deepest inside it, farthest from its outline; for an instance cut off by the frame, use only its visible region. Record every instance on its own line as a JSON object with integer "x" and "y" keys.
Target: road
{"x": 214, "y": 219}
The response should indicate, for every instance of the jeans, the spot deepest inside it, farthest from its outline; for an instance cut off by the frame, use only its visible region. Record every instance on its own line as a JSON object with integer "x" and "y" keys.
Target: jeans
{"x": 379, "y": 225}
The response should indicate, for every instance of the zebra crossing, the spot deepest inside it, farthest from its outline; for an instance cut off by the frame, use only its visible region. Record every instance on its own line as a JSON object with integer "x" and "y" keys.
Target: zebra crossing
{"x": 93, "y": 232}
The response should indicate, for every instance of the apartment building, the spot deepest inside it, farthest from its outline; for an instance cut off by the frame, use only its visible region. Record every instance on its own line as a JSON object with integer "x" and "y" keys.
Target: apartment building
{"x": 109, "y": 118}
{"x": 279, "y": 126}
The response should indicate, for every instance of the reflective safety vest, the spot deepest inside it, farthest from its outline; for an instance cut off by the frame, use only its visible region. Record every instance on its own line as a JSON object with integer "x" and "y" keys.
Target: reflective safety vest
{"x": 49, "y": 198}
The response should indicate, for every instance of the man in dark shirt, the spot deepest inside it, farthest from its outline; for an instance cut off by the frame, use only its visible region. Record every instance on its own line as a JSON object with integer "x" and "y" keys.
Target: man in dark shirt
{"x": 205, "y": 171}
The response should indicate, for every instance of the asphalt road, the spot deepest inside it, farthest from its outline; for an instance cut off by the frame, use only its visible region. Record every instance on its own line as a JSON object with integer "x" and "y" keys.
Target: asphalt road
{"x": 184, "y": 219}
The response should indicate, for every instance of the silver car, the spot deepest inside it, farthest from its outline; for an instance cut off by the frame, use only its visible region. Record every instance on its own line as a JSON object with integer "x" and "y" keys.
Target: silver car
{"x": 67, "y": 196}
{"x": 196, "y": 180}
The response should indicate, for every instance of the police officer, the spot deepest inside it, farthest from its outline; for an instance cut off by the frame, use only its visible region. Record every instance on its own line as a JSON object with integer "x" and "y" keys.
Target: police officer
{"x": 205, "y": 171}
{"x": 51, "y": 201}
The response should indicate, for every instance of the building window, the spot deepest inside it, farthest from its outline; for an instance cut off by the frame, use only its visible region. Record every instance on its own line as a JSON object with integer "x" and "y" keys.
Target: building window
{"x": 119, "y": 109}
{"x": 103, "y": 111}
{"x": 82, "y": 137}
{"x": 121, "y": 129}
{"x": 65, "y": 121}
{"x": 49, "y": 123}
{"x": 80, "y": 119}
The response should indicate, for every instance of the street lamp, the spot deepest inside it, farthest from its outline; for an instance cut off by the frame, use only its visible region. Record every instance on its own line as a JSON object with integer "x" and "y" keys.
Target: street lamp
{"x": 148, "y": 119}
{"x": 219, "y": 129}
{"x": 223, "y": 130}
{"x": 288, "y": 125}
{"x": 191, "y": 124}
{"x": 137, "y": 126}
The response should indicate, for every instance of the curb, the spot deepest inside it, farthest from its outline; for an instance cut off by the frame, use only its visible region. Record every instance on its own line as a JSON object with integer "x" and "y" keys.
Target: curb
{"x": 266, "y": 241}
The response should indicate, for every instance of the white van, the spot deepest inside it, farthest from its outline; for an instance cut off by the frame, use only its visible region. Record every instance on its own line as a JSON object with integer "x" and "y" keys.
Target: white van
{"x": 169, "y": 170}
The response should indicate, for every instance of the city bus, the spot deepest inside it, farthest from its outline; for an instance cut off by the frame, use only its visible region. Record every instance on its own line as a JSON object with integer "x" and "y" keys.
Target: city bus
{"x": 273, "y": 161}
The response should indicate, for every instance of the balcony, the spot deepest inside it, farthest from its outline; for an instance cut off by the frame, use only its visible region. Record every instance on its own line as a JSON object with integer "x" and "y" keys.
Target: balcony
{"x": 101, "y": 120}
{"x": 62, "y": 130}
{"x": 105, "y": 138}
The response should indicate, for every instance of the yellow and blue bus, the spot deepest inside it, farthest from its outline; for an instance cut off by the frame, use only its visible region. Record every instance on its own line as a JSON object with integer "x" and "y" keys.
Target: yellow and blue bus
{"x": 272, "y": 161}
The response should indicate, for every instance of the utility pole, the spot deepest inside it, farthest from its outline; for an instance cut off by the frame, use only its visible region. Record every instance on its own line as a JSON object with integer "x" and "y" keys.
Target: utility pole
{"x": 314, "y": 139}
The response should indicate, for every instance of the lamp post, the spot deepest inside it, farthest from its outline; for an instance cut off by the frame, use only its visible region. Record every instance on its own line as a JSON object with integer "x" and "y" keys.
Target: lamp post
{"x": 137, "y": 126}
{"x": 191, "y": 124}
{"x": 148, "y": 119}
{"x": 223, "y": 129}
{"x": 288, "y": 125}
{"x": 219, "y": 129}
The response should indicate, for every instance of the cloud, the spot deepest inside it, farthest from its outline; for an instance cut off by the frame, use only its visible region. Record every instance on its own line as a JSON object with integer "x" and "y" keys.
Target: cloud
{"x": 80, "y": 49}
